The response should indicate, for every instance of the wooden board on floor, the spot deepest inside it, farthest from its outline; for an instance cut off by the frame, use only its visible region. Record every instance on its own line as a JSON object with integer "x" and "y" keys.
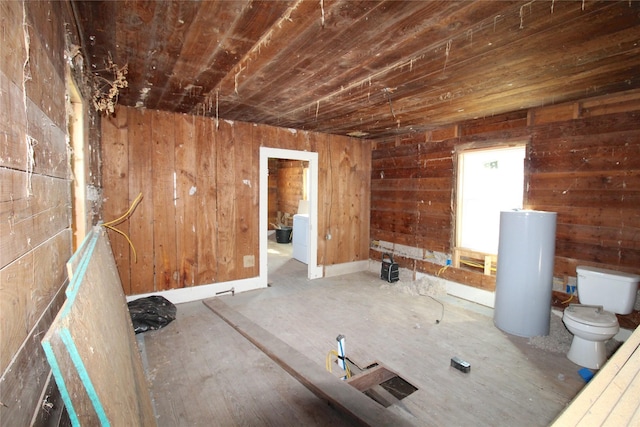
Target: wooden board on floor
{"x": 91, "y": 346}
{"x": 611, "y": 397}
{"x": 323, "y": 384}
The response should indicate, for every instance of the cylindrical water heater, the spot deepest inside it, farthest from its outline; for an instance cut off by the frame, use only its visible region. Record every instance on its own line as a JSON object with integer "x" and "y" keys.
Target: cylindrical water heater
{"x": 524, "y": 276}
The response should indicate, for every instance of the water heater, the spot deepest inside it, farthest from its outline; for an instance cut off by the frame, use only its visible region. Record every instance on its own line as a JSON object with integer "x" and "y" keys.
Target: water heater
{"x": 524, "y": 275}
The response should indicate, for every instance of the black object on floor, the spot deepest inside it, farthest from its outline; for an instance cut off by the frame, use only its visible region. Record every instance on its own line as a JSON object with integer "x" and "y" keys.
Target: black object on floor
{"x": 461, "y": 365}
{"x": 151, "y": 313}
{"x": 390, "y": 271}
{"x": 283, "y": 234}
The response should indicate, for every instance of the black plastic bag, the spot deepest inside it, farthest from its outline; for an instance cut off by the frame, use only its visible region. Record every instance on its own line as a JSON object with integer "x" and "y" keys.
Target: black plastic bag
{"x": 151, "y": 313}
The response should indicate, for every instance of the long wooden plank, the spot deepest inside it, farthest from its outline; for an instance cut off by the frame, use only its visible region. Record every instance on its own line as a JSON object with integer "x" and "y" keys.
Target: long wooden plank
{"x": 164, "y": 200}
{"x": 206, "y": 190}
{"x": 587, "y": 409}
{"x": 46, "y": 86}
{"x": 323, "y": 384}
{"x": 115, "y": 172}
{"x": 51, "y": 156}
{"x": 227, "y": 195}
{"x": 28, "y": 364}
{"x": 27, "y": 287}
{"x": 625, "y": 406}
{"x": 29, "y": 219}
{"x": 246, "y": 201}
{"x": 237, "y": 384}
{"x": 13, "y": 116}
{"x": 185, "y": 203}
{"x": 140, "y": 181}
{"x": 13, "y": 53}
{"x": 622, "y": 385}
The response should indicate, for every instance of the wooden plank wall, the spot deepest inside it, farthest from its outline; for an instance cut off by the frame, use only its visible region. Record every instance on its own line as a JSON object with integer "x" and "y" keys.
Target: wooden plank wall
{"x": 290, "y": 183}
{"x": 273, "y": 193}
{"x": 583, "y": 162}
{"x": 35, "y": 198}
{"x": 199, "y": 178}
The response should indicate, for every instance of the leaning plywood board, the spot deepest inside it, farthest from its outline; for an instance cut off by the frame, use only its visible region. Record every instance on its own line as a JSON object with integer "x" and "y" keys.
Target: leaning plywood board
{"x": 91, "y": 346}
{"x": 611, "y": 397}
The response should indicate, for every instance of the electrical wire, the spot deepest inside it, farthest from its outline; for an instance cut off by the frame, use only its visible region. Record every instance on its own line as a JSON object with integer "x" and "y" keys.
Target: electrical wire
{"x": 475, "y": 264}
{"x": 442, "y": 270}
{"x": 111, "y": 224}
{"x": 441, "y": 307}
{"x": 570, "y": 297}
{"x": 328, "y": 362}
{"x": 126, "y": 214}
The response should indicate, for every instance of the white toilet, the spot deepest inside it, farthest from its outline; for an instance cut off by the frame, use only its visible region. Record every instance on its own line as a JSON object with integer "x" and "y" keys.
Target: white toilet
{"x": 593, "y": 322}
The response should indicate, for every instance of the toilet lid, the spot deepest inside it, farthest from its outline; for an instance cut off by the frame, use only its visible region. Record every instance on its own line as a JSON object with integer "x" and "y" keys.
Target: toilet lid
{"x": 591, "y": 316}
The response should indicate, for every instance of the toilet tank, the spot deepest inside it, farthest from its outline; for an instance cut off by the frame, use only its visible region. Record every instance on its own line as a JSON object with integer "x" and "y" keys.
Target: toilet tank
{"x": 615, "y": 291}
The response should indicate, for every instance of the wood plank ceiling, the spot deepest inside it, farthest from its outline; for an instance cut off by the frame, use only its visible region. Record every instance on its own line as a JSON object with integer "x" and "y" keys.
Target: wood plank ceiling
{"x": 365, "y": 68}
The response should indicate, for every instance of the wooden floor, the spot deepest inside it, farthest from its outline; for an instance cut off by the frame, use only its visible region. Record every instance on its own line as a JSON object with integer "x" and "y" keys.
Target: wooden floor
{"x": 202, "y": 372}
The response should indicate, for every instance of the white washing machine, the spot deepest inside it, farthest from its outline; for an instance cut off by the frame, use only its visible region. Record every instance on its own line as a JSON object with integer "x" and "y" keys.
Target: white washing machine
{"x": 301, "y": 237}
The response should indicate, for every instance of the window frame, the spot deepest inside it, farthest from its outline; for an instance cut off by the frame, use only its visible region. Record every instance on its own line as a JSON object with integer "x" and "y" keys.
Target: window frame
{"x": 457, "y": 188}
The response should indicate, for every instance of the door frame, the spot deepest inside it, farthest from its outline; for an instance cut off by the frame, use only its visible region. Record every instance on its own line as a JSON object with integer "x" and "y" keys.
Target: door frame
{"x": 314, "y": 271}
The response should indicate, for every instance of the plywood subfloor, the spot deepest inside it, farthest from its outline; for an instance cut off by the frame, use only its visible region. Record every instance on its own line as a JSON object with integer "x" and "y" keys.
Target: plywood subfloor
{"x": 202, "y": 372}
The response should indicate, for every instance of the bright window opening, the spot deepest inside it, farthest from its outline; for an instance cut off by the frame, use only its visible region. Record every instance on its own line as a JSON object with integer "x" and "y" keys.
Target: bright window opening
{"x": 489, "y": 181}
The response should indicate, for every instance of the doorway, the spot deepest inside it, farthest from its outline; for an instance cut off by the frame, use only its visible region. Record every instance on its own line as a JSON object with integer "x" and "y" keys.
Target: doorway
{"x": 313, "y": 270}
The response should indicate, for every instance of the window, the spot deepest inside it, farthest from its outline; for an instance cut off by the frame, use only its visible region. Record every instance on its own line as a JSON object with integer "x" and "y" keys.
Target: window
{"x": 489, "y": 181}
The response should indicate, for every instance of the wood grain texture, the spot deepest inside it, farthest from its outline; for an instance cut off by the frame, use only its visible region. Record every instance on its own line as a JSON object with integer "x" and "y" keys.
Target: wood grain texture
{"x": 582, "y": 166}
{"x": 218, "y": 162}
{"x": 25, "y": 378}
{"x": 34, "y": 218}
{"x": 289, "y": 185}
{"x": 35, "y": 196}
{"x": 186, "y": 206}
{"x": 13, "y": 123}
{"x": 610, "y": 398}
{"x": 29, "y": 284}
{"x": 45, "y": 69}
{"x": 91, "y": 345}
{"x": 115, "y": 174}
{"x": 207, "y": 189}
{"x": 200, "y": 348}
{"x": 512, "y": 381}
{"x": 140, "y": 181}
{"x": 246, "y": 184}
{"x": 228, "y": 198}
{"x": 164, "y": 177}
{"x": 346, "y": 398}
{"x": 13, "y": 53}
{"x": 385, "y": 68}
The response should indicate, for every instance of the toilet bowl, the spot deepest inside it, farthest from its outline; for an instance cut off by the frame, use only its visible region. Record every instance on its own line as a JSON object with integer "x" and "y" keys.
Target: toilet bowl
{"x": 602, "y": 294}
{"x": 591, "y": 327}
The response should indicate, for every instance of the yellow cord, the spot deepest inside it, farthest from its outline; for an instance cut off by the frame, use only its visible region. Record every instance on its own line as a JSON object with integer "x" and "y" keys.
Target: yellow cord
{"x": 110, "y": 225}
{"x": 442, "y": 270}
{"x": 135, "y": 255}
{"x": 127, "y": 213}
{"x": 570, "y": 298}
{"x": 328, "y": 362}
{"x": 475, "y": 264}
